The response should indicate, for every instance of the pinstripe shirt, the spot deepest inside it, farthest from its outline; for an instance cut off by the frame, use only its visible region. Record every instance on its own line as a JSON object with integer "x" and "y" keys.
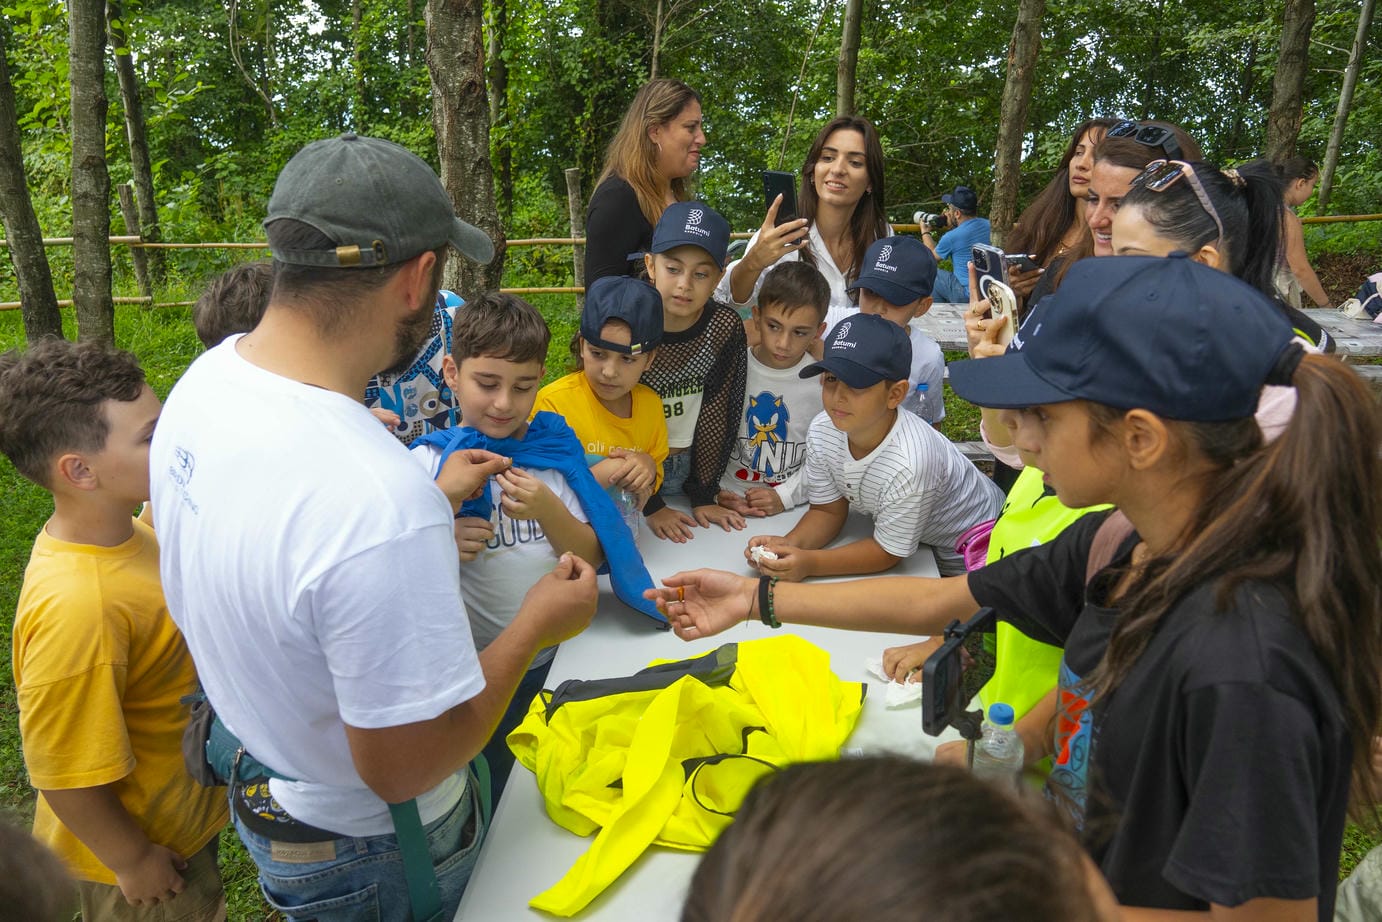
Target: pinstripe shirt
{"x": 916, "y": 485}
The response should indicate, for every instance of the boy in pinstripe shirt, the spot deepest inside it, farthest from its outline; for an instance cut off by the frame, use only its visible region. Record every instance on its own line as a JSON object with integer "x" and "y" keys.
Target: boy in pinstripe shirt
{"x": 862, "y": 453}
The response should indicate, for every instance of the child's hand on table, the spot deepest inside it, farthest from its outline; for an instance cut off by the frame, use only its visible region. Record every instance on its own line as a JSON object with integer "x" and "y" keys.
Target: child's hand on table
{"x": 718, "y": 515}
{"x": 672, "y": 525}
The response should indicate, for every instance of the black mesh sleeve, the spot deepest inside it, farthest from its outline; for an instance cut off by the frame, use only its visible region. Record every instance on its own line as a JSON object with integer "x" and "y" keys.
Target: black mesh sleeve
{"x": 718, "y": 424}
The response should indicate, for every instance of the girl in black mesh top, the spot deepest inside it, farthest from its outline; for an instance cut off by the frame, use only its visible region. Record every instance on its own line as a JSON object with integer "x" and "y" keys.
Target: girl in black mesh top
{"x": 698, "y": 371}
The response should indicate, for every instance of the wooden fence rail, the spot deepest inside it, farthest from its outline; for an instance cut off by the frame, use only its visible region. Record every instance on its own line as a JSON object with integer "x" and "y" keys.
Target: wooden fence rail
{"x": 136, "y": 242}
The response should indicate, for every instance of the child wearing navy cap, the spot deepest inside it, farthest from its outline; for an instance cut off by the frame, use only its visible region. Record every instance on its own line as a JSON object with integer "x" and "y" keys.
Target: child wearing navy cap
{"x": 698, "y": 371}
{"x": 862, "y": 453}
{"x": 895, "y": 282}
{"x": 618, "y": 420}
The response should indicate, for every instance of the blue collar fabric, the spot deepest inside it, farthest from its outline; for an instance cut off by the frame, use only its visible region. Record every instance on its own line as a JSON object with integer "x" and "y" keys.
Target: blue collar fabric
{"x": 550, "y": 444}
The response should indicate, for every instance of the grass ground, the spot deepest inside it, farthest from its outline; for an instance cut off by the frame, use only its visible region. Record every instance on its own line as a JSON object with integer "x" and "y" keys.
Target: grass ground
{"x": 164, "y": 342}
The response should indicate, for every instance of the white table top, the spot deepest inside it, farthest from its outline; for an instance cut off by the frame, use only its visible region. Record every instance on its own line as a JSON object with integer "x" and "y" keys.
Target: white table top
{"x": 525, "y": 852}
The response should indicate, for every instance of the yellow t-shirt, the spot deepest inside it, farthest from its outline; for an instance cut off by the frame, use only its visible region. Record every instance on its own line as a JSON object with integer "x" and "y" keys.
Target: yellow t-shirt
{"x": 598, "y": 429}
{"x": 99, "y": 668}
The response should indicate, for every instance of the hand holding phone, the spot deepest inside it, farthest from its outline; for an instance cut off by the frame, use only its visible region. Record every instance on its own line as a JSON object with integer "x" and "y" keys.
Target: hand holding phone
{"x": 1022, "y": 261}
{"x": 988, "y": 261}
{"x": 943, "y": 695}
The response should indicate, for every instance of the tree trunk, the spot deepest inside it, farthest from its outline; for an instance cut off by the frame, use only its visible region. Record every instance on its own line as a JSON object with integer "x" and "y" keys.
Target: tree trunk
{"x": 1284, "y": 117}
{"x": 849, "y": 58}
{"x": 40, "y": 304}
{"x": 1012, "y": 119}
{"x": 499, "y": 102}
{"x": 460, "y": 116}
{"x": 141, "y": 167}
{"x": 90, "y": 180}
{"x": 1233, "y": 149}
{"x": 1336, "y": 134}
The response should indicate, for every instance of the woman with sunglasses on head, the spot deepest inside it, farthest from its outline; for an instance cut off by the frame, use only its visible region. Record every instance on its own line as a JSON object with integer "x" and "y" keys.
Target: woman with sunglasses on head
{"x": 1219, "y": 688}
{"x": 1230, "y": 220}
{"x": 646, "y": 167}
{"x": 841, "y": 205}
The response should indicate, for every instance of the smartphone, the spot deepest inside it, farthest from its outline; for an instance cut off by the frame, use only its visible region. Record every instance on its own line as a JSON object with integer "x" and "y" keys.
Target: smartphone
{"x": 775, "y": 183}
{"x": 1023, "y": 261}
{"x": 1002, "y": 307}
{"x": 989, "y": 261}
{"x": 946, "y": 686}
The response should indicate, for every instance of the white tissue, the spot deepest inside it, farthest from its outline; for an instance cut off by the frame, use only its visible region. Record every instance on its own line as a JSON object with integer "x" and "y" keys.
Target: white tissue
{"x": 897, "y": 694}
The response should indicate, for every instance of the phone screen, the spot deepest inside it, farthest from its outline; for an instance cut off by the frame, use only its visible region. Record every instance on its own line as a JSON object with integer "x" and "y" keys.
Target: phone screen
{"x": 777, "y": 182}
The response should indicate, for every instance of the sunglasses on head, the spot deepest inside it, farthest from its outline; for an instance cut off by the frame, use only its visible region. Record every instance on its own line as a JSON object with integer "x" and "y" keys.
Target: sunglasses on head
{"x": 1161, "y": 175}
{"x": 1147, "y": 135}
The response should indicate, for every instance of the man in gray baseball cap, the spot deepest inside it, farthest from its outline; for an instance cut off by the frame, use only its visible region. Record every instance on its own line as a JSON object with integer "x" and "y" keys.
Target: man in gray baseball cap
{"x": 311, "y": 563}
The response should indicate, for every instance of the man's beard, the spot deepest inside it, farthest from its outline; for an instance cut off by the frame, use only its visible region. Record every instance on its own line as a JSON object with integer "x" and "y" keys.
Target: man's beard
{"x": 409, "y": 336}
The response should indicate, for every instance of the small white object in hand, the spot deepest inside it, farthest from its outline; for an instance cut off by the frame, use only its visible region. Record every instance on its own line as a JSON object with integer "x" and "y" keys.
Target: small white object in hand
{"x": 760, "y": 552}
{"x": 897, "y": 694}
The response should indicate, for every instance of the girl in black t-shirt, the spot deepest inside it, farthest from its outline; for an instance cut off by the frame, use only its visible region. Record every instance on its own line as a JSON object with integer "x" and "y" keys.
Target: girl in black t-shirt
{"x": 1220, "y": 687}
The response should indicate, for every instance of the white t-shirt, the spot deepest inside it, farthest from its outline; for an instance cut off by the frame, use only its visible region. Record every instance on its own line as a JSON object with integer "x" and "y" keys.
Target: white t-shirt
{"x": 311, "y": 565}
{"x": 916, "y": 485}
{"x": 770, "y": 449}
{"x": 519, "y": 554}
{"x": 841, "y": 304}
{"x": 928, "y": 366}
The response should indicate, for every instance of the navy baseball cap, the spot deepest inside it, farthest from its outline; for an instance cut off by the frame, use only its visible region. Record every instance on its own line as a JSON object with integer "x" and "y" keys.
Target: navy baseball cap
{"x": 694, "y": 223}
{"x": 618, "y": 297}
{"x": 898, "y": 269}
{"x": 379, "y": 202}
{"x": 1164, "y": 334}
{"x": 862, "y": 350}
{"x": 962, "y": 198}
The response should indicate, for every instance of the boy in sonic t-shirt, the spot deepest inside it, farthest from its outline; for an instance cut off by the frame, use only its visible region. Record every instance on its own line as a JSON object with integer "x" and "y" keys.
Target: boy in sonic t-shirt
{"x": 862, "y": 453}
{"x": 764, "y": 474}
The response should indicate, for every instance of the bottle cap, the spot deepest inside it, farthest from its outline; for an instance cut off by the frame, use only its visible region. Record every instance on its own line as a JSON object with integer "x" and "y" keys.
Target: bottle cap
{"x": 1001, "y": 714}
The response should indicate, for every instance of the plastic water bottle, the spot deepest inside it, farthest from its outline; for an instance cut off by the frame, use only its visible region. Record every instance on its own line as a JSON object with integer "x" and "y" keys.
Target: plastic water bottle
{"x": 628, "y": 510}
{"x": 915, "y": 402}
{"x": 998, "y": 753}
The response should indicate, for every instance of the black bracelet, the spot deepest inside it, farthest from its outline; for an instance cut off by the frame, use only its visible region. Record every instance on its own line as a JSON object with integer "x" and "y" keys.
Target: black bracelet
{"x": 766, "y": 585}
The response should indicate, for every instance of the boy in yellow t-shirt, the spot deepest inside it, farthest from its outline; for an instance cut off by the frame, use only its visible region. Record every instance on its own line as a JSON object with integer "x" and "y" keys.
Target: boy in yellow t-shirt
{"x": 99, "y": 666}
{"x": 619, "y": 421}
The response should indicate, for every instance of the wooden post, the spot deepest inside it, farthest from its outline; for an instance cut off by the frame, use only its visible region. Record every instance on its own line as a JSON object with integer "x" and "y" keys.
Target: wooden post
{"x": 577, "y": 212}
{"x": 137, "y": 255}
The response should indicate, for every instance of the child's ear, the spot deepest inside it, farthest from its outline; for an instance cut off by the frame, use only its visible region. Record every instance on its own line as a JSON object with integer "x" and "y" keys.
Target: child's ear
{"x": 924, "y": 305}
{"x": 450, "y": 371}
{"x": 820, "y": 330}
{"x": 897, "y": 392}
{"x": 71, "y": 470}
{"x": 648, "y": 265}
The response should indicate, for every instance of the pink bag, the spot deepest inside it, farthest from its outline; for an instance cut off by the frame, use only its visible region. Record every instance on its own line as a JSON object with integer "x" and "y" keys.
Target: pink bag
{"x": 973, "y": 544}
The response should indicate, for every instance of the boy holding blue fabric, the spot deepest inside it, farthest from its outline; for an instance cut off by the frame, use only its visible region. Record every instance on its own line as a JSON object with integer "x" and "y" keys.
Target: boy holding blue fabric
{"x": 525, "y": 518}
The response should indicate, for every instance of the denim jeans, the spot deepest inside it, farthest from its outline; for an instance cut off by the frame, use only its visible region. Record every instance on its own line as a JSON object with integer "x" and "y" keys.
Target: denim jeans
{"x": 675, "y": 470}
{"x": 948, "y": 289}
{"x": 364, "y": 880}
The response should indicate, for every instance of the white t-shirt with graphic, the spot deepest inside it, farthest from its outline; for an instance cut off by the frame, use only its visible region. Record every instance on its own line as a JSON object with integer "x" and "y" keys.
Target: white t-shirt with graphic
{"x": 517, "y": 556}
{"x": 770, "y": 448}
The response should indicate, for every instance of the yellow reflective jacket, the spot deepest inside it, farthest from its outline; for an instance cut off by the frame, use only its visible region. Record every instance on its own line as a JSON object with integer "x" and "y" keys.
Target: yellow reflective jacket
{"x": 667, "y": 755}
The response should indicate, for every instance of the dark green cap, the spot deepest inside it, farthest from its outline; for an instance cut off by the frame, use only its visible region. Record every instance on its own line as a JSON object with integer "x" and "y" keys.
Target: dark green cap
{"x": 381, "y": 203}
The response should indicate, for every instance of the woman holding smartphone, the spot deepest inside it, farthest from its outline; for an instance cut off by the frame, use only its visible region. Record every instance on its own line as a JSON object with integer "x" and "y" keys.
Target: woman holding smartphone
{"x": 841, "y": 213}
{"x": 658, "y": 146}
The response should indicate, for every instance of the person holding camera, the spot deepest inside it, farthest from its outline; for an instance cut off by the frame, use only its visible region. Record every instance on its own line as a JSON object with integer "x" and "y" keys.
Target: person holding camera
{"x": 966, "y": 229}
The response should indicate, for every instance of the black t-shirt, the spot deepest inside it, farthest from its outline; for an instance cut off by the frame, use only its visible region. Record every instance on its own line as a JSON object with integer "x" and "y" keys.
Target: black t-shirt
{"x": 1218, "y": 769}
{"x": 614, "y": 227}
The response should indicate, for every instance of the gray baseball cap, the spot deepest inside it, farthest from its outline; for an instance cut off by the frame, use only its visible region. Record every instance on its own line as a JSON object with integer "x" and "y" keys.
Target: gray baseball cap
{"x": 381, "y": 203}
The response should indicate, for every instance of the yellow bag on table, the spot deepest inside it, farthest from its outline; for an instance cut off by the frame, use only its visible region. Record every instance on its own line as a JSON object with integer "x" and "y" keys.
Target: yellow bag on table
{"x": 666, "y": 755}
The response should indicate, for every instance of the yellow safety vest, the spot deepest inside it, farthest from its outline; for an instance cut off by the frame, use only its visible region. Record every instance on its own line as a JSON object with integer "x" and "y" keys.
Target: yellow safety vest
{"x": 666, "y": 756}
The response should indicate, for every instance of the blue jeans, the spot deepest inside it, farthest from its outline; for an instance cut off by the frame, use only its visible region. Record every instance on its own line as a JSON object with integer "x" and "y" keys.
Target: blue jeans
{"x": 675, "y": 470}
{"x": 364, "y": 881}
{"x": 948, "y": 289}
